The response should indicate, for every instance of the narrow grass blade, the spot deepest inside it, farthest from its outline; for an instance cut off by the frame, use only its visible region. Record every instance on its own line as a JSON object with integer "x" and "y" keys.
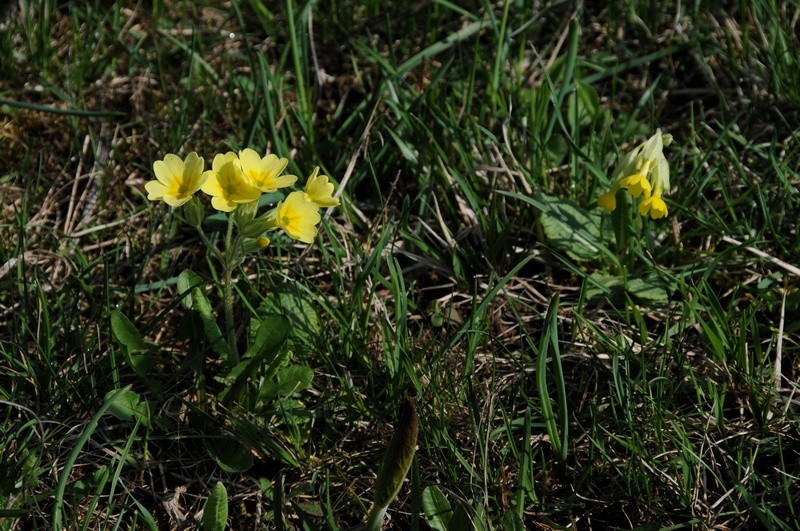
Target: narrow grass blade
{"x": 73, "y": 457}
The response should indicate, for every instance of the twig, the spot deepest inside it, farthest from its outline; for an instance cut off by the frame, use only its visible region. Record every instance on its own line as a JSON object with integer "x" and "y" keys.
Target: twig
{"x": 777, "y": 261}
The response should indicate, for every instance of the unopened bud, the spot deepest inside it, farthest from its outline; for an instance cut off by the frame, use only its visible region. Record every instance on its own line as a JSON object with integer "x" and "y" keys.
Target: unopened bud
{"x": 194, "y": 212}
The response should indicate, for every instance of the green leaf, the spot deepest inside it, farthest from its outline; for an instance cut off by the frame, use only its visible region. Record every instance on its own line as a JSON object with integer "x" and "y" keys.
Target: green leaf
{"x": 294, "y": 378}
{"x": 583, "y": 103}
{"x": 461, "y": 520}
{"x": 295, "y": 303}
{"x": 197, "y": 300}
{"x": 513, "y": 522}
{"x": 437, "y": 509}
{"x": 270, "y": 337}
{"x": 231, "y": 455}
{"x": 557, "y": 149}
{"x": 127, "y": 406}
{"x": 647, "y": 289}
{"x": 405, "y": 149}
{"x": 215, "y": 511}
{"x": 125, "y": 332}
{"x": 266, "y": 349}
{"x": 571, "y": 229}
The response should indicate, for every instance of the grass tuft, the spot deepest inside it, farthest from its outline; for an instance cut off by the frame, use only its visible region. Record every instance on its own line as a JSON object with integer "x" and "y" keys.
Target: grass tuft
{"x": 567, "y": 365}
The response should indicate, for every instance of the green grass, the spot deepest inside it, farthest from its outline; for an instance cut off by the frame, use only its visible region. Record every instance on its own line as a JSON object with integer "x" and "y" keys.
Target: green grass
{"x": 558, "y": 385}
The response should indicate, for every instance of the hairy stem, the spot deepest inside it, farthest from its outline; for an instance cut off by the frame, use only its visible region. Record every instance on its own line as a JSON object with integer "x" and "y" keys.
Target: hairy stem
{"x": 228, "y": 265}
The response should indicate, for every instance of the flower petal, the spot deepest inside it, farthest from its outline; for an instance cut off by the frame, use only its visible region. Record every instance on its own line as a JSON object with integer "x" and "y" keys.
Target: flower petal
{"x": 222, "y": 204}
{"x": 177, "y": 200}
{"x": 212, "y": 185}
{"x": 608, "y": 201}
{"x": 220, "y": 160}
{"x": 169, "y": 170}
{"x": 155, "y": 190}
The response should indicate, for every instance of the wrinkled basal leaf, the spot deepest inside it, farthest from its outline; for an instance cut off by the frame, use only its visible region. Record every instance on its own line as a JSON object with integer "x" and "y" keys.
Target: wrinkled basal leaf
{"x": 127, "y": 406}
{"x": 232, "y": 456}
{"x": 125, "y": 332}
{"x": 571, "y": 229}
{"x": 215, "y": 511}
{"x": 436, "y": 507}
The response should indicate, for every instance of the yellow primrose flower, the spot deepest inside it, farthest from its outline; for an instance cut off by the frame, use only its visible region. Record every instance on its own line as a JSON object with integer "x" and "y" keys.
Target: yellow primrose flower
{"x": 643, "y": 171}
{"x": 176, "y": 180}
{"x": 637, "y": 184}
{"x": 654, "y": 205}
{"x": 608, "y": 201}
{"x": 227, "y": 186}
{"x": 319, "y": 190}
{"x": 265, "y": 174}
{"x": 298, "y": 217}
{"x": 220, "y": 160}
{"x": 262, "y": 242}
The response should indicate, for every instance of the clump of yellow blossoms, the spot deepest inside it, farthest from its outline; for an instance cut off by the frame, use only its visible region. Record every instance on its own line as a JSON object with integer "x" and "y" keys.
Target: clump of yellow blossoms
{"x": 235, "y": 183}
{"x": 237, "y": 180}
{"x": 643, "y": 172}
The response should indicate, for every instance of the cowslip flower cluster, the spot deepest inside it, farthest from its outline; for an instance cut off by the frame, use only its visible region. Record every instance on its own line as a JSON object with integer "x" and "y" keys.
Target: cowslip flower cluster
{"x": 236, "y": 181}
{"x": 644, "y": 172}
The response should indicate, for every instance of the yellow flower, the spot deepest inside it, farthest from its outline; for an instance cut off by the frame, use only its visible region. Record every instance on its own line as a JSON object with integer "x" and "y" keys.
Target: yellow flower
{"x": 654, "y": 205}
{"x": 642, "y": 171}
{"x": 220, "y": 160}
{"x": 176, "y": 180}
{"x": 262, "y": 242}
{"x": 226, "y": 184}
{"x": 298, "y": 217}
{"x": 637, "y": 184}
{"x": 608, "y": 201}
{"x": 319, "y": 190}
{"x": 265, "y": 174}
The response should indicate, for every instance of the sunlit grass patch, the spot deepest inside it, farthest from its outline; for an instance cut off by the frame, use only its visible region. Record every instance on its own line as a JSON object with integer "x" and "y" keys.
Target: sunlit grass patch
{"x": 569, "y": 365}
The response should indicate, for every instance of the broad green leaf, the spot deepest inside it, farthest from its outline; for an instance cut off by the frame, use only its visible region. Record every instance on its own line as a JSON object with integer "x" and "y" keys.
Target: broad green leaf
{"x": 647, "y": 289}
{"x": 127, "y": 406}
{"x": 197, "y": 300}
{"x": 232, "y": 456}
{"x": 461, "y": 520}
{"x": 294, "y": 378}
{"x": 296, "y": 304}
{"x": 281, "y": 360}
{"x": 125, "y": 332}
{"x": 188, "y": 280}
{"x": 557, "y": 149}
{"x": 571, "y": 229}
{"x": 215, "y": 511}
{"x": 266, "y": 349}
{"x": 270, "y": 337}
{"x": 436, "y": 507}
{"x": 141, "y": 363}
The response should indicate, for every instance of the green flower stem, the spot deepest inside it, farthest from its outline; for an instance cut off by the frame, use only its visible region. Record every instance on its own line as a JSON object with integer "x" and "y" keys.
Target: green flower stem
{"x": 375, "y": 521}
{"x": 229, "y": 265}
{"x": 210, "y": 245}
{"x": 621, "y": 221}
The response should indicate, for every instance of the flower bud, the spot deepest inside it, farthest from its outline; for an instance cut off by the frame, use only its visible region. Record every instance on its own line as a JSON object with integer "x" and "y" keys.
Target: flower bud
{"x": 245, "y": 213}
{"x": 194, "y": 212}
